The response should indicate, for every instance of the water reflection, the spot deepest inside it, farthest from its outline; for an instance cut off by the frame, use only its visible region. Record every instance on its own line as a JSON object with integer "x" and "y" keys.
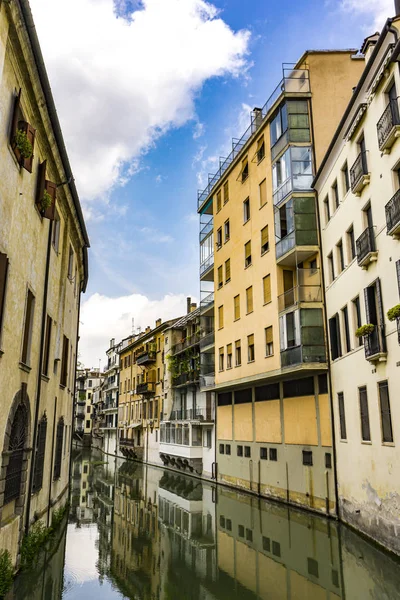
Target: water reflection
{"x": 137, "y": 532}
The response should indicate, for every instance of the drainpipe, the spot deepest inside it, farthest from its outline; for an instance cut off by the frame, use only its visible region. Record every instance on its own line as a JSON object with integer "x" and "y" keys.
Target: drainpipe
{"x": 39, "y": 381}
{"x": 52, "y": 461}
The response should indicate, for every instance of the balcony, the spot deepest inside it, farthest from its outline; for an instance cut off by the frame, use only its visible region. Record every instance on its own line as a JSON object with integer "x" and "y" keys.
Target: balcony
{"x": 302, "y": 242}
{"x": 207, "y": 303}
{"x": 206, "y": 268}
{"x": 359, "y": 175}
{"x": 374, "y": 346}
{"x": 147, "y": 357}
{"x": 188, "y": 342}
{"x": 298, "y": 355}
{"x": 147, "y": 388}
{"x": 392, "y": 210}
{"x": 207, "y": 339}
{"x": 126, "y": 442}
{"x": 298, "y": 295}
{"x": 302, "y": 337}
{"x": 186, "y": 378}
{"x": 388, "y": 126}
{"x": 193, "y": 414}
{"x": 366, "y": 248}
{"x": 296, "y": 162}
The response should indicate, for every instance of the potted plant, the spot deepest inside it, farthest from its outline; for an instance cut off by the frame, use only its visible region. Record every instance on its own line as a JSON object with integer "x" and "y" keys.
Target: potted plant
{"x": 45, "y": 202}
{"x": 23, "y": 144}
{"x": 365, "y": 330}
{"x": 394, "y": 313}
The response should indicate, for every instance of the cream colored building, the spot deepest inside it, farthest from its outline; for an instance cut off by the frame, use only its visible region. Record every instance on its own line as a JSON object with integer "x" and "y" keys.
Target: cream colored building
{"x": 87, "y": 381}
{"x": 43, "y": 270}
{"x": 260, "y": 278}
{"x": 359, "y": 206}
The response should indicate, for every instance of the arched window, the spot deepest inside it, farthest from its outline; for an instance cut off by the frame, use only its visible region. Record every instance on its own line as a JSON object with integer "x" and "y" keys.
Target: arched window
{"x": 59, "y": 445}
{"x": 16, "y": 447}
{"x": 39, "y": 454}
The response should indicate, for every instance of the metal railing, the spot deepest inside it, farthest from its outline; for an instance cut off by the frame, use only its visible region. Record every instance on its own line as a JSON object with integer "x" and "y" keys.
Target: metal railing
{"x": 207, "y": 302}
{"x": 299, "y": 293}
{"x": 207, "y": 339}
{"x": 365, "y": 244}
{"x": 303, "y": 354}
{"x": 358, "y": 170}
{"x": 392, "y": 210}
{"x": 145, "y": 357}
{"x": 146, "y": 388}
{"x": 389, "y": 119}
{"x": 183, "y": 378}
{"x": 207, "y": 229}
{"x": 294, "y": 81}
{"x": 123, "y": 441}
{"x": 191, "y": 340}
{"x": 207, "y": 264}
{"x": 192, "y": 414}
{"x": 373, "y": 342}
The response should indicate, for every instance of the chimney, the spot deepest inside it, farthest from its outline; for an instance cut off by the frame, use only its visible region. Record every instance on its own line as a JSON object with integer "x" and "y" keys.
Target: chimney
{"x": 397, "y": 8}
{"x": 257, "y": 118}
{"x": 188, "y": 304}
{"x": 148, "y": 328}
{"x": 193, "y": 306}
{"x": 158, "y": 322}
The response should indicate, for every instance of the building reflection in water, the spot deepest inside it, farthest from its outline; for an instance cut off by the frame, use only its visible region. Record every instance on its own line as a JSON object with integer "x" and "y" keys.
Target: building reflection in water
{"x": 141, "y": 532}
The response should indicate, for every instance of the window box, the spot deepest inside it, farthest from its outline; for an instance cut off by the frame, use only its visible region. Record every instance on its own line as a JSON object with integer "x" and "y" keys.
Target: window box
{"x": 45, "y": 194}
{"x": 22, "y": 136}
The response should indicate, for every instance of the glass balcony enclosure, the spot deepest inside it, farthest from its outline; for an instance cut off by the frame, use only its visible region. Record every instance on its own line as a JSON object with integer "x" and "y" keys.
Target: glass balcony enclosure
{"x": 306, "y": 287}
{"x": 302, "y": 338}
{"x": 290, "y": 124}
{"x": 295, "y": 229}
{"x": 292, "y": 172}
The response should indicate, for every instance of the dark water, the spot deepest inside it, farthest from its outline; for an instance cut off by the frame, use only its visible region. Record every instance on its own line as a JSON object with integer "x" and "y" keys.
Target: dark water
{"x": 143, "y": 533}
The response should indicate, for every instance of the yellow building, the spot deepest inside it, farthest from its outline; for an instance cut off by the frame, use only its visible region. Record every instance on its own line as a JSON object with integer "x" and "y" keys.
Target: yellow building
{"x": 261, "y": 285}
{"x": 359, "y": 203}
{"x": 43, "y": 270}
{"x": 141, "y": 393}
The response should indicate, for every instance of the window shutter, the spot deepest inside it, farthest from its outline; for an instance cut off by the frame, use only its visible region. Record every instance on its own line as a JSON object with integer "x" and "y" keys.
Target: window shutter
{"x": 339, "y": 341}
{"x": 51, "y": 189}
{"x": 227, "y": 269}
{"x": 264, "y": 235}
{"x": 226, "y": 191}
{"x": 333, "y": 338}
{"x": 268, "y": 335}
{"x": 30, "y": 133}
{"x": 267, "y": 288}
{"x": 366, "y": 299}
{"x": 247, "y": 250}
{"x": 251, "y": 339}
{"x": 381, "y": 314}
{"x": 15, "y": 117}
{"x": 41, "y": 182}
{"x": 236, "y": 302}
{"x": 3, "y": 280}
{"x": 263, "y": 192}
{"x": 219, "y": 200}
{"x": 220, "y": 277}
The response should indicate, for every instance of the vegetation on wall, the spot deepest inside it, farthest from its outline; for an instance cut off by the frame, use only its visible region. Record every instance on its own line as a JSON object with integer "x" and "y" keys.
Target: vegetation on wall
{"x": 6, "y": 572}
{"x": 23, "y": 144}
{"x": 38, "y": 535}
{"x": 365, "y": 330}
{"x": 46, "y": 201}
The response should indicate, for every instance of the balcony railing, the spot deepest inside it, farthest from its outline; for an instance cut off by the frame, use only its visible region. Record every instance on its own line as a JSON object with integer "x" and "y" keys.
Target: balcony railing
{"x": 374, "y": 345}
{"x": 193, "y": 414}
{"x": 207, "y": 339}
{"x": 359, "y": 173}
{"x": 126, "y": 442}
{"x": 207, "y": 229}
{"x": 184, "y": 378}
{"x": 146, "y": 388}
{"x": 207, "y": 264}
{"x": 207, "y": 302}
{"x": 365, "y": 246}
{"x": 388, "y": 125}
{"x": 300, "y": 293}
{"x": 149, "y": 356}
{"x": 298, "y": 355}
{"x": 392, "y": 210}
{"x": 191, "y": 340}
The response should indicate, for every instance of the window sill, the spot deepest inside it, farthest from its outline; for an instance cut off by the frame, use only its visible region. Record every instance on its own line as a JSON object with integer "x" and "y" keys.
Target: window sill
{"x": 227, "y": 281}
{"x": 227, "y": 240}
{"x": 265, "y": 252}
{"x": 251, "y": 361}
{"x": 247, "y": 266}
{"x": 25, "y": 367}
{"x": 260, "y": 161}
{"x": 45, "y": 378}
{"x": 249, "y": 313}
{"x": 389, "y": 444}
{"x": 238, "y": 365}
{"x": 269, "y": 355}
{"x": 228, "y": 368}
{"x": 366, "y": 442}
{"x": 266, "y": 303}
{"x": 245, "y": 179}
{"x": 62, "y": 386}
{"x": 343, "y": 441}
{"x": 262, "y": 206}
{"x": 248, "y": 220}
{"x": 238, "y": 319}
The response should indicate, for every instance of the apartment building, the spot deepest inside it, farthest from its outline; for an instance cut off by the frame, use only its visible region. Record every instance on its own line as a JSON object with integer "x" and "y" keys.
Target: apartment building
{"x": 87, "y": 381}
{"x": 141, "y": 392}
{"x": 187, "y": 420}
{"x": 107, "y": 407}
{"x": 359, "y": 203}
{"x": 263, "y": 342}
{"x": 43, "y": 270}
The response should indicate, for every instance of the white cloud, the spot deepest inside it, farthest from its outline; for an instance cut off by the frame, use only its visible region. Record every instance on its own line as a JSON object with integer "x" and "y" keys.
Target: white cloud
{"x": 120, "y": 83}
{"x": 103, "y": 318}
{"x": 198, "y": 130}
{"x": 375, "y": 12}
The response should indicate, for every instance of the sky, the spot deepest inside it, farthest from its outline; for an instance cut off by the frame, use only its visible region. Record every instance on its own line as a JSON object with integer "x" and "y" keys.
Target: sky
{"x": 149, "y": 94}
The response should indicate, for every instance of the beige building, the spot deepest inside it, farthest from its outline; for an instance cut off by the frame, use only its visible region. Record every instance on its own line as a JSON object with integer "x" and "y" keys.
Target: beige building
{"x": 359, "y": 205}
{"x": 87, "y": 381}
{"x": 43, "y": 270}
{"x": 261, "y": 283}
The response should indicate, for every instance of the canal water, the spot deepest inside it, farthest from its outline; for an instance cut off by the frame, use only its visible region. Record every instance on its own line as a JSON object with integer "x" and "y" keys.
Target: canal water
{"x": 137, "y": 532}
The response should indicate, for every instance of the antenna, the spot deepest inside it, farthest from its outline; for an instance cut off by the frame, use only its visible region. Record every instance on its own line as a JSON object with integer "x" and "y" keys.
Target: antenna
{"x": 133, "y": 325}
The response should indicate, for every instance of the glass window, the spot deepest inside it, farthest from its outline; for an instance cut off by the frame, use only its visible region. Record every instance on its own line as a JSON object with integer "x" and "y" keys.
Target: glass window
{"x": 279, "y": 124}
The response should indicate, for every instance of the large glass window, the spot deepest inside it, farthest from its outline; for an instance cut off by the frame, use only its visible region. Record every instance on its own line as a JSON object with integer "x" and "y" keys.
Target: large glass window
{"x": 292, "y": 171}
{"x": 279, "y": 124}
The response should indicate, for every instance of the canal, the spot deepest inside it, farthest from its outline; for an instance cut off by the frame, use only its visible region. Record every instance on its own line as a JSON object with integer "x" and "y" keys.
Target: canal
{"x": 144, "y": 533}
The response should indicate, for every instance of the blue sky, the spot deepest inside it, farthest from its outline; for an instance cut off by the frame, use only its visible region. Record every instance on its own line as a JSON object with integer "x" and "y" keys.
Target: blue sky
{"x": 144, "y": 233}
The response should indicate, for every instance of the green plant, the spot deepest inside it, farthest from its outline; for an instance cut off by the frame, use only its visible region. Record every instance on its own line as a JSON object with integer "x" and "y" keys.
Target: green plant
{"x": 37, "y": 536}
{"x": 6, "y": 572}
{"x": 46, "y": 201}
{"x": 365, "y": 330}
{"x": 58, "y": 516}
{"x": 23, "y": 144}
{"x": 393, "y": 313}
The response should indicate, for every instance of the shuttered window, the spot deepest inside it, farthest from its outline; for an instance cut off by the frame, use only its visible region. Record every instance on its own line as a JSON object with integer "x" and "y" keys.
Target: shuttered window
{"x": 46, "y": 353}
{"x": 56, "y": 231}
{"x": 58, "y": 450}
{"x": 249, "y": 299}
{"x": 226, "y": 192}
{"x": 247, "y": 254}
{"x": 238, "y": 353}
{"x": 227, "y": 270}
{"x": 364, "y": 414}
{"x": 220, "y": 277}
{"x": 219, "y": 201}
{"x": 27, "y": 339}
{"x": 244, "y": 171}
{"x": 40, "y": 454}
{"x": 334, "y": 333}
{"x": 267, "y": 288}
{"x": 246, "y": 210}
{"x": 70, "y": 263}
{"x": 236, "y": 307}
{"x": 220, "y": 317}
{"x": 64, "y": 362}
{"x": 263, "y": 192}
{"x": 342, "y": 416}
{"x": 229, "y": 356}
{"x": 227, "y": 230}
{"x": 221, "y": 359}
{"x": 19, "y": 124}
{"x": 269, "y": 341}
{"x": 3, "y": 281}
{"x": 264, "y": 240}
{"x": 250, "y": 347}
{"x": 260, "y": 149}
{"x": 386, "y": 418}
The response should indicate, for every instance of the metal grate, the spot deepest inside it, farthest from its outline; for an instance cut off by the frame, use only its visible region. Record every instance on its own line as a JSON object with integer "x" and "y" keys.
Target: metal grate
{"x": 40, "y": 453}
{"x": 16, "y": 448}
{"x": 59, "y": 445}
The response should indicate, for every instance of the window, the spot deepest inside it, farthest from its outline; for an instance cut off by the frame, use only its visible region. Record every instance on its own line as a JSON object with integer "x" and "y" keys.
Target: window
{"x": 239, "y": 450}
{"x": 244, "y": 173}
{"x": 221, "y": 359}
{"x": 334, "y": 333}
{"x": 220, "y": 317}
{"x": 327, "y": 210}
{"x": 39, "y": 454}
{"x": 267, "y": 288}
{"x": 226, "y": 192}
{"x": 219, "y": 238}
{"x": 335, "y": 193}
{"x": 266, "y": 542}
{"x": 27, "y": 339}
{"x": 345, "y": 319}
{"x": 246, "y": 210}
{"x": 351, "y": 245}
{"x": 240, "y": 531}
{"x": 70, "y": 263}
{"x": 236, "y": 307}
{"x": 263, "y": 192}
{"x": 16, "y": 448}
{"x": 229, "y": 356}
{"x": 249, "y": 535}
{"x": 59, "y": 445}
{"x": 339, "y": 247}
{"x": 386, "y": 419}
{"x": 313, "y": 567}
{"x": 307, "y": 458}
{"x": 208, "y": 438}
{"x": 247, "y": 254}
{"x": 247, "y": 452}
{"x": 250, "y": 347}
{"x": 220, "y": 277}
{"x": 264, "y": 240}
{"x": 64, "y": 362}
{"x": 88, "y": 407}
{"x": 55, "y": 238}
{"x": 229, "y": 525}
{"x": 357, "y": 317}
{"x": 18, "y": 123}
{"x": 222, "y": 448}
{"x": 227, "y": 230}
{"x": 227, "y": 270}
{"x": 328, "y": 460}
{"x": 249, "y": 300}
{"x": 273, "y": 454}
{"x": 264, "y": 453}
{"x": 228, "y": 449}
{"x": 219, "y": 201}
{"x": 345, "y": 175}
{"x": 364, "y": 414}
{"x": 331, "y": 267}
{"x": 260, "y": 149}
{"x": 269, "y": 341}
{"x": 238, "y": 353}
{"x": 3, "y": 280}
{"x": 279, "y": 124}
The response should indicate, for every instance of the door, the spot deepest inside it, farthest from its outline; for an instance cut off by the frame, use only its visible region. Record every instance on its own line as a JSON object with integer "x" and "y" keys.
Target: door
{"x": 392, "y": 94}
{"x": 288, "y": 288}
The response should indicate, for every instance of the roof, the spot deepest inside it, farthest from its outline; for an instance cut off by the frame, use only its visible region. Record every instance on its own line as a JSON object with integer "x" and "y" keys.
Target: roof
{"x": 183, "y": 321}
{"x": 139, "y": 339}
{"x": 326, "y": 51}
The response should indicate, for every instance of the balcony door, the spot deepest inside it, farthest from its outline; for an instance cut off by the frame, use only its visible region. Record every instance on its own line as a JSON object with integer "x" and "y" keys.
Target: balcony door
{"x": 392, "y": 97}
{"x": 376, "y": 342}
{"x": 288, "y": 288}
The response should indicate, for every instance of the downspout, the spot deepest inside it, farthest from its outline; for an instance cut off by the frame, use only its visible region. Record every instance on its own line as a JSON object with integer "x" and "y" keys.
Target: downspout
{"x": 74, "y": 388}
{"x": 39, "y": 382}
